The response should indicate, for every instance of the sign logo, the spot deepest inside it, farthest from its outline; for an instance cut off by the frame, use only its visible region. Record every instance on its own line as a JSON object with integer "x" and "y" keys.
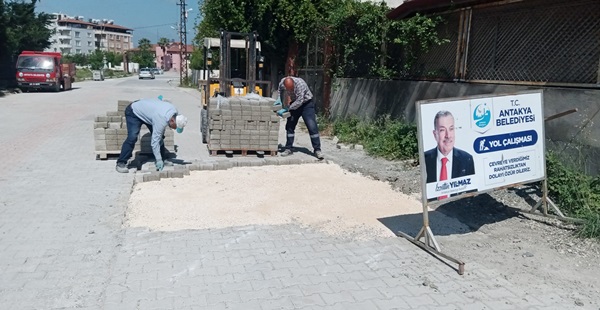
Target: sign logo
{"x": 481, "y": 119}
{"x": 482, "y": 115}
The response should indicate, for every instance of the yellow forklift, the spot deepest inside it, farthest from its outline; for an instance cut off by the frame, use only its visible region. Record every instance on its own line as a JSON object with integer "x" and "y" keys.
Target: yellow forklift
{"x": 240, "y": 70}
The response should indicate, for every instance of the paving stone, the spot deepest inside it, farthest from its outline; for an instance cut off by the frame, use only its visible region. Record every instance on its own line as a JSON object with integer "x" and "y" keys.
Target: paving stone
{"x": 148, "y": 177}
{"x": 175, "y": 174}
{"x": 73, "y": 249}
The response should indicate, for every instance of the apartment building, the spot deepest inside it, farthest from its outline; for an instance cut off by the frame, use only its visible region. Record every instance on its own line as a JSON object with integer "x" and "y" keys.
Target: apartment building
{"x": 75, "y": 35}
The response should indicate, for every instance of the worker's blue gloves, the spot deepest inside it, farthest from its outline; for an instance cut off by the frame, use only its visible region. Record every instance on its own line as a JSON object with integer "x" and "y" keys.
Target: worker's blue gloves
{"x": 160, "y": 165}
{"x": 280, "y": 112}
{"x": 278, "y": 101}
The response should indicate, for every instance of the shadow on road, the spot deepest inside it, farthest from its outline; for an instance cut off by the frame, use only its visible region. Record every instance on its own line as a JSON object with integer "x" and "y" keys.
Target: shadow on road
{"x": 456, "y": 217}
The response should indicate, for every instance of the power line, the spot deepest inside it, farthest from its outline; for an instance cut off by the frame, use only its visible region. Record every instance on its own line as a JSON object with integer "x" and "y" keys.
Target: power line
{"x": 183, "y": 61}
{"x": 153, "y": 26}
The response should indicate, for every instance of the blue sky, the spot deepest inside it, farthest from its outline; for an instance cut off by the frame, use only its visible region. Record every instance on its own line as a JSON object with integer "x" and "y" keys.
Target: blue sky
{"x": 151, "y": 19}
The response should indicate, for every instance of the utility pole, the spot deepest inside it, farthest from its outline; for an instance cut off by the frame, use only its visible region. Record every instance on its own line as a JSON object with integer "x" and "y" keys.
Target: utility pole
{"x": 183, "y": 61}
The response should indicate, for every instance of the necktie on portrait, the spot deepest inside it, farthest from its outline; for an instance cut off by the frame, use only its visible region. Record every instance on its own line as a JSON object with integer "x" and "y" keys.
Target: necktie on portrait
{"x": 443, "y": 175}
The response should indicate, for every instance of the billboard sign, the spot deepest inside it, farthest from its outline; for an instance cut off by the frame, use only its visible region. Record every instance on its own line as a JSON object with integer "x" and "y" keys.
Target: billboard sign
{"x": 475, "y": 144}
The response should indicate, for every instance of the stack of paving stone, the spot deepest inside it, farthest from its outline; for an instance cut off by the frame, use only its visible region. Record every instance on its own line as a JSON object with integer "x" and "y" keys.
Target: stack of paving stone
{"x": 242, "y": 124}
{"x": 110, "y": 131}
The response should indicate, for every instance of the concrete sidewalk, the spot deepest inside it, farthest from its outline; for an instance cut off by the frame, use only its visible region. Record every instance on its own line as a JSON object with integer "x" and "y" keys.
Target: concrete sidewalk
{"x": 63, "y": 246}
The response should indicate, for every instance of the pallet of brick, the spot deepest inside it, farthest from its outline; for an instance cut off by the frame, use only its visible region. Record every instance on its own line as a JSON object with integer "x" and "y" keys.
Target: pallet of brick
{"x": 242, "y": 124}
{"x": 121, "y": 106}
{"x": 110, "y": 131}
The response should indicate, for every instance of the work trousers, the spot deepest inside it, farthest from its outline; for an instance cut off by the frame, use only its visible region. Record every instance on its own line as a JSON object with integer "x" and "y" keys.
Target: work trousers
{"x": 309, "y": 116}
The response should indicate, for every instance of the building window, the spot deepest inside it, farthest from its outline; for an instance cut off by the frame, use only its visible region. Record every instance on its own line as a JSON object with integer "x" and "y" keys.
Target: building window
{"x": 89, "y": 34}
{"x": 78, "y": 51}
{"x": 90, "y": 44}
{"x": 118, "y": 45}
{"x": 125, "y": 39}
{"x": 77, "y": 43}
{"x": 77, "y": 34}
{"x": 111, "y": 44}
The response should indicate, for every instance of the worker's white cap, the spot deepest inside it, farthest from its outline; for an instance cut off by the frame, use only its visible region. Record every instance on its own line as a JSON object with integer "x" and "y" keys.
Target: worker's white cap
{"x": 181, "y": 121}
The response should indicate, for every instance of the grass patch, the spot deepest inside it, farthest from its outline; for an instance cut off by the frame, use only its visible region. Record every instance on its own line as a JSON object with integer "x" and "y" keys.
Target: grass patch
{"x": 82, "y": 74}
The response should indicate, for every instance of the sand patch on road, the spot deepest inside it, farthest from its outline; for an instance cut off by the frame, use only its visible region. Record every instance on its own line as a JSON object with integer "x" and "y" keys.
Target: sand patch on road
{"x": 323, "y": 196}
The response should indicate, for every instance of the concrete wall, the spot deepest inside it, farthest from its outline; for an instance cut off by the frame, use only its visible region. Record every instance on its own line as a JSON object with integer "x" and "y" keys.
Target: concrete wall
{"x": 576, "y": 136}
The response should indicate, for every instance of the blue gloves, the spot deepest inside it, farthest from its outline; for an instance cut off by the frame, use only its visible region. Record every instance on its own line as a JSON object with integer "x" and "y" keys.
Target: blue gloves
{"x": 159, "y": 165}
{"x": 280, "y": 112}
{"x": 278, "y": 101}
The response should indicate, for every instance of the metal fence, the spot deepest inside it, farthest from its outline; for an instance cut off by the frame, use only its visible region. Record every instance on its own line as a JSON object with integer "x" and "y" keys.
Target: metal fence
{"x": 547, "y": 42}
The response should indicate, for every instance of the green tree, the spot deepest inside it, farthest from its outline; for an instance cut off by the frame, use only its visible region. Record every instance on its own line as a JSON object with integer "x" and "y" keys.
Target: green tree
{"x": 417, "y": 35}
{"x": 96, "y": 60}
{"x": 114, "y": 58}
{"x": 4, "y": 50}
{"x": 23, "y": 28}
{"x": 370, "y": 45}
{"x": 197, "y": 60}
{"x": 367, "y": 44}
{"x": 279, "y": 23}
{"x": 144, "y": 56}
{"x": 78, "y": 59}
{"x": 358, "y": 31}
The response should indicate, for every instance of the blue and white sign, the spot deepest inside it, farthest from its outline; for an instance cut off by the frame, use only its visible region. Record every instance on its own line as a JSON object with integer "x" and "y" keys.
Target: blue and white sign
{"x": 482, "y": 115}
{"x": 479, "y": 143}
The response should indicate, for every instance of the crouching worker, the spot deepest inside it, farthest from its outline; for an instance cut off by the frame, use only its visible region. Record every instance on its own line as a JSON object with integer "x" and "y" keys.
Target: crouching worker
{"x": 156, "y": 115}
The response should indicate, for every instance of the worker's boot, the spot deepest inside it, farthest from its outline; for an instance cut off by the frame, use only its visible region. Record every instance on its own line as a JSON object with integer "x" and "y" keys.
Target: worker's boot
{"x": 122, "y": 168}
{"x": 287, "y": 152}
{"x": 319, "y": 154}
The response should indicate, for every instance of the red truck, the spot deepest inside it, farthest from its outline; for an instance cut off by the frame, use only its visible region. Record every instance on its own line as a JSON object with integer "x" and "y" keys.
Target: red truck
{"x": 44, "y": 70}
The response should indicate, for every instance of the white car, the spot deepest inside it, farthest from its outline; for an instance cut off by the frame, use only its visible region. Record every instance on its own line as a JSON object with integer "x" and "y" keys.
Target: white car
{"x": 146, "y": 73}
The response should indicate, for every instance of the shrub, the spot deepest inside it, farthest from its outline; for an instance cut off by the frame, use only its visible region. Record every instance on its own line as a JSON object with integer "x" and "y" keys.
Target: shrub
{"x": 575, "y": 192}
{"x": 385, "y": 137}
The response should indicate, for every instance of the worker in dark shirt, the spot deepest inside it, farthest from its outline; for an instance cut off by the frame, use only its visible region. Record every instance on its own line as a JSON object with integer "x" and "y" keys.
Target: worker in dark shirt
{"x": 298, "y": 101}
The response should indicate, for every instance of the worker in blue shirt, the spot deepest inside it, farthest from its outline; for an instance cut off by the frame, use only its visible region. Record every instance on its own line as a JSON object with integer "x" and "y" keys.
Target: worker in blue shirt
{"x": 156, "y": 115}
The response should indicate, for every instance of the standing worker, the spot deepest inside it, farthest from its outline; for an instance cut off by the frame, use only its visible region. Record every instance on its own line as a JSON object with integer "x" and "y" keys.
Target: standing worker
{"x": 156, "y": 115}
{"x": 298, "y": 100}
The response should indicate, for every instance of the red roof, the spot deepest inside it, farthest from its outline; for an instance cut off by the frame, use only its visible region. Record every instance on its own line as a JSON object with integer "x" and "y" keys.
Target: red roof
{"x": 173, "y": 47}
{"x": 76, "y": 21}
{"x": 410, "y": 7}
